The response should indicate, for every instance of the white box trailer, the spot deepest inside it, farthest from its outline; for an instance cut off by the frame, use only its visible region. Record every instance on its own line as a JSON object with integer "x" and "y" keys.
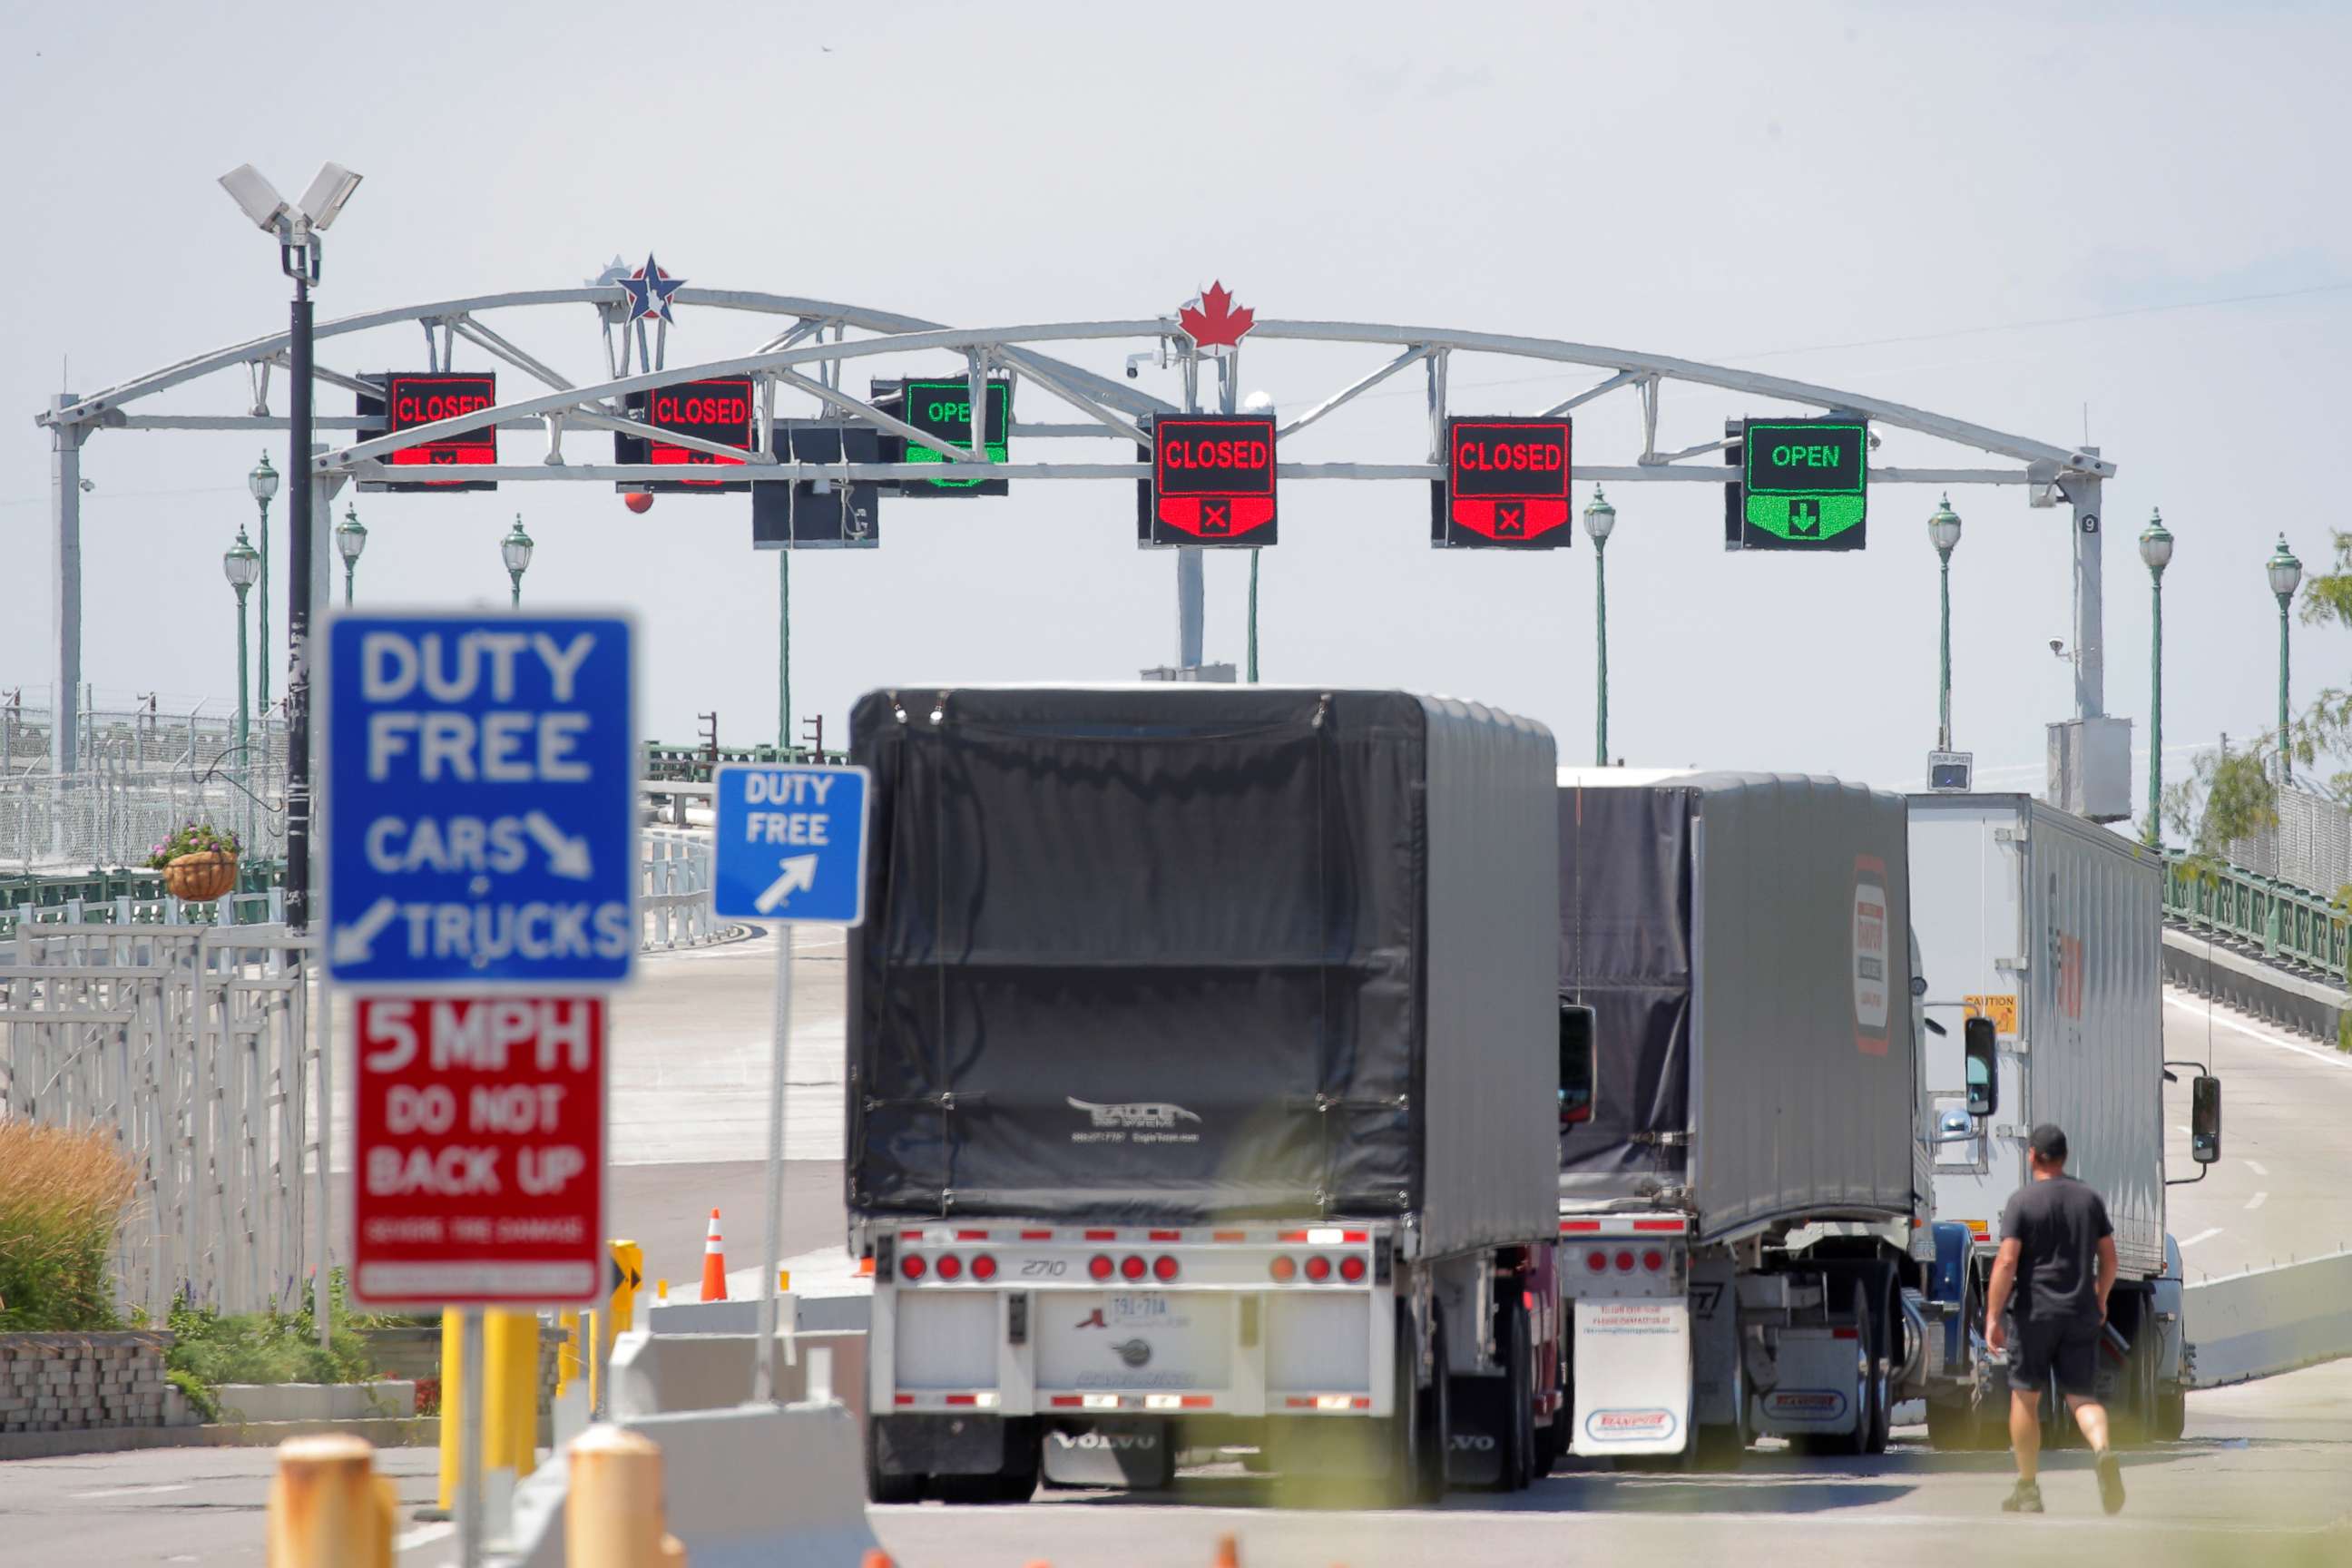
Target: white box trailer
{"x": 2050, "y": 927}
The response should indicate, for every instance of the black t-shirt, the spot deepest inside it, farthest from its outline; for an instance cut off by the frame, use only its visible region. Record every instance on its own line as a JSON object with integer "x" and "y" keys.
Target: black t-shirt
{"x": 2058, "y": 1224}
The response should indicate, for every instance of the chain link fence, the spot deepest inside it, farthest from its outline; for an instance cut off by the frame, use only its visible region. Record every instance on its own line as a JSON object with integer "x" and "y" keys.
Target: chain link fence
{"x": 115, "y": 812}
{"x": 2310, "y": 847}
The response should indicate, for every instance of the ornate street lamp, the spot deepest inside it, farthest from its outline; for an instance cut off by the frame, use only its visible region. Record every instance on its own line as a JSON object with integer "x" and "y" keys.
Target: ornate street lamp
{"x": 2286, "y": 576}
{"x": 350, "y": 539}
{"x": 263, "y": 482}
{"x": 241, "y": 564}
{"x": 516, "y": 549}
{"x": 1600, "y": 517}
{"x": 1944, "y": 533}
{"x": 2155, "y": 549}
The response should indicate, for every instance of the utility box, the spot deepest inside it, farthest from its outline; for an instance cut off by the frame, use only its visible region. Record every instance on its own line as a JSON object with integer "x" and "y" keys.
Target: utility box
{"x": 2089, "y": 768}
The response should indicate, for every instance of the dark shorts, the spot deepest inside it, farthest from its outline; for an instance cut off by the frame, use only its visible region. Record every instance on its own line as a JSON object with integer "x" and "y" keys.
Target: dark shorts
{"x": 2070, "y": 1350}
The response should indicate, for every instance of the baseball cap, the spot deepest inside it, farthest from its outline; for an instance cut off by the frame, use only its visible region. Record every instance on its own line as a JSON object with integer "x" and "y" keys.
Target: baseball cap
{"x": 2049, "y": 1141}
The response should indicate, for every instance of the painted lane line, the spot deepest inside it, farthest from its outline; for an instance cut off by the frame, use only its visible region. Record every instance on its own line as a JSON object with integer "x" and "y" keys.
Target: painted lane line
{"x": 2254, "y": 1165}
{"x": 2256, "y": 1201}
{"x": 149, "y": 1490}
{"x": 2332, "y": 1058}
{"x": 424, "y": 1537}
{"x": 2182, "y": 1130}
{"x": 2200, "y": 1235}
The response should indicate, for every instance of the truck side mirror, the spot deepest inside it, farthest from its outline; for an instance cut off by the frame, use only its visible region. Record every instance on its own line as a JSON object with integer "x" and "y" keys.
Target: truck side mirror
{"x": 1978, "y": 1049}
{"x": 1575, "y": 1063}
{"x": 2205, "y": 1119}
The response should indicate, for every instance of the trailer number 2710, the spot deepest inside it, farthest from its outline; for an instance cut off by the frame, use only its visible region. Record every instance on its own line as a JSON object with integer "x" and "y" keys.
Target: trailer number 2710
{"x": 1044, "y": 1268}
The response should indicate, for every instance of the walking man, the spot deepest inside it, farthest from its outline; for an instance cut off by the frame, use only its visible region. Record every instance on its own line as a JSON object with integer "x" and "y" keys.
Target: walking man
{"x": 2056, "y": 1265}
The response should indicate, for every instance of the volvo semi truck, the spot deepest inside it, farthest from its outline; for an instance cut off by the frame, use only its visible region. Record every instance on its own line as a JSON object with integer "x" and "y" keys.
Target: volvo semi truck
{"x": 2042, "y": 944}
{"x": 1743, "y": 1172}
{"x": 1203, "y": 1063}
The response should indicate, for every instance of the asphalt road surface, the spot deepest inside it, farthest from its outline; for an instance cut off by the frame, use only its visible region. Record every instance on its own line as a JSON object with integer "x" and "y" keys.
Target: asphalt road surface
{"x": 2261, "y": 1478}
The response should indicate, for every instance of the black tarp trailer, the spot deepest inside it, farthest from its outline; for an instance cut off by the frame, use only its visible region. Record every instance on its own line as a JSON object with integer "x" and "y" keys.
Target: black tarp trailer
{"x": 1201, "y": 1054}
{"x": 1741, "y": 1164}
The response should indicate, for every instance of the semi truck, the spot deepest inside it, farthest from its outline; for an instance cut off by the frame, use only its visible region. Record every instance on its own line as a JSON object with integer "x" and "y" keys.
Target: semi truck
{"x": 2042, "y": 936}
{"x": 1743, "y": 1171}
{"x": 1201, "y": 1067}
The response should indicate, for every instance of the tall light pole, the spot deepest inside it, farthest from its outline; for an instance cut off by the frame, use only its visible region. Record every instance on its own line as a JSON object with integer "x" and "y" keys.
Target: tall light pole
{"x": 2155, "y": 549}
{"x": 299, "y": 227}
{"x": 2286, "y": 576}
{"x": 241, "y": 564}
{"x": 350, "y": 539}
{"x": 1600, "y": 517}
{"x": 1944, "y": 532}
{"x": 263, "y": 482}
{"x": 515, "y": 549}
{"x": 784, "y": 654}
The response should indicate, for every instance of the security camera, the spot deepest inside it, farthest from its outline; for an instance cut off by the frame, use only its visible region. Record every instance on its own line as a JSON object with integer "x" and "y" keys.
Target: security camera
{"x": 1131, "y": 371}
{"x": 2058, "y": 646}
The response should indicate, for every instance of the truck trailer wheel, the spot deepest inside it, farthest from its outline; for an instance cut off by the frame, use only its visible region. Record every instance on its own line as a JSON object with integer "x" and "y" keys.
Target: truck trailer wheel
{"x": 1419, "y": 1432}
{"x": 880, "y": 1486}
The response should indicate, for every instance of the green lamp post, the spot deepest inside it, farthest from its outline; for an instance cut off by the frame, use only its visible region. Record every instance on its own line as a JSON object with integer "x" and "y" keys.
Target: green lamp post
{"x": 1600, "y": 518}
{"x": 2155, "y": 549}
{"x": 515, "y": 549}
{"x": 350, "y": 539}
{"x": 1944, "y": 533}
{"x": 2286, "y": 576}
{"x": 263, "y": 482}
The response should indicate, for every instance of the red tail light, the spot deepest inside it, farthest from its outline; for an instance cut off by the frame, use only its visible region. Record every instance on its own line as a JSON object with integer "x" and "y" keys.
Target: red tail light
{"x": 1283, "y": 1269}
{"x": 1099, "y": 1266}
{"x": 1319, "y": 1269}
{"x": 983, "y": 1267}
{"x": 1596, "y": 1260}
{"x": 1352, "y": 1269}
{"x": 1163, "y": 1268}
{"x": 1132, "y": 1267}
{"x": 1625, "y": 1261}
{"x": 951, "y": 1266}
{"x": 911, "y": 1265}
{"x": 1653, "y": 1260}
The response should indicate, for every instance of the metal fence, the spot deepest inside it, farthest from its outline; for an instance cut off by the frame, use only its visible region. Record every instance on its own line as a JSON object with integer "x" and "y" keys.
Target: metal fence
{"x": 674, "y": 897}
{"x": 114, "y": 813}
{"x": 2265, "y": 916}
{"x": 142, "y": 737}
{"x": 2310, "y": 847}
{"x": 192, "y": 1047}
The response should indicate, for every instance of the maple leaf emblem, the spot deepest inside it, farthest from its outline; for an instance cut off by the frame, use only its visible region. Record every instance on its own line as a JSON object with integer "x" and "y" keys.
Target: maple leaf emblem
{"x": 1212, "y": 322}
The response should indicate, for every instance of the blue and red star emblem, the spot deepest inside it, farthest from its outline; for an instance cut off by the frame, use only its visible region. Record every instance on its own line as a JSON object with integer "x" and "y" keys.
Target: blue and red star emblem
{"x": 649, "y": 289}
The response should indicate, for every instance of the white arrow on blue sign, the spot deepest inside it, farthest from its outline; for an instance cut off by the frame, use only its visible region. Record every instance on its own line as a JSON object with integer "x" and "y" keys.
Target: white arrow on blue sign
{"x": 480, "y": 800}
{"x": 791, "y": 843}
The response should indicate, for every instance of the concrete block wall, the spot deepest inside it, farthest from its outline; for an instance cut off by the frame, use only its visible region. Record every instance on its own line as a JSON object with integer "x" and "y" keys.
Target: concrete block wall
{"x": 78, "y": 1382}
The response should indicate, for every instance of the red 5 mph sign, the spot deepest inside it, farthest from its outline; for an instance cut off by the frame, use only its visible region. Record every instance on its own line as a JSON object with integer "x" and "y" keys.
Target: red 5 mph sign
{"x": 479, "y": 1165}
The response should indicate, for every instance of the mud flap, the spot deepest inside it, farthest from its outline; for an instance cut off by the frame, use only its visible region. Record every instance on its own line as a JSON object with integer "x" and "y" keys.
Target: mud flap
{"x": 938, "y": 1445}
{"x": 1109, "y": 1454}
{"x": 1481, "y": 1413}
{"x": 1633, "y": 1374}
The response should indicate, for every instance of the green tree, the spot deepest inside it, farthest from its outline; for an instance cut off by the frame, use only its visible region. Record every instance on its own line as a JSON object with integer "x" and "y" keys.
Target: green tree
{"x": 2324, "y": 729}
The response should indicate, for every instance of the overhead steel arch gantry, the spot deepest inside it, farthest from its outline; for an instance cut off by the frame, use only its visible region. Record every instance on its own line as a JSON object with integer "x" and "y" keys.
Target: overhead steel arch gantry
{"x": 797, "y": 349}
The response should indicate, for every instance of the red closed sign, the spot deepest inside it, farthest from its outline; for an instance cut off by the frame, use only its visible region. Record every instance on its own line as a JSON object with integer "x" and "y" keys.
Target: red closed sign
{"x": 411, "y": 400}
{"x": 478, "y": 1167}
{"x": 1507, "y": 483}
{"x": 1212, "y": 480}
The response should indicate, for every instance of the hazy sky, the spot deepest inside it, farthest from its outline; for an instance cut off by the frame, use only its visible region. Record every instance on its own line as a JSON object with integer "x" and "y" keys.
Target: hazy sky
{"x": 2005, "y": 214}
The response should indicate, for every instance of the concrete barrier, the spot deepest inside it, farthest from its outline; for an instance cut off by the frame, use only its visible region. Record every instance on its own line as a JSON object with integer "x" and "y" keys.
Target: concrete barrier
{"x": 2268, "y": 1321}
{"x": 387, "y": 1399}
{"x": 664, "y": 1373}
{"x": 771, "y": 1486}
{"x": 2307, "y": 1003}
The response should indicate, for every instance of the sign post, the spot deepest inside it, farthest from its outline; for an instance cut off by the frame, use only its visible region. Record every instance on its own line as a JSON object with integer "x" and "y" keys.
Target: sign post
{"x": 480, "y": 822}
{"x": 790, "y": 850}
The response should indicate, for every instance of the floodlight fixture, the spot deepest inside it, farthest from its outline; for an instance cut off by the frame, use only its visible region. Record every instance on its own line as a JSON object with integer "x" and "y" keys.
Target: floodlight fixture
{"x": 329, "y": 191}
{"x": 252, "y": 190}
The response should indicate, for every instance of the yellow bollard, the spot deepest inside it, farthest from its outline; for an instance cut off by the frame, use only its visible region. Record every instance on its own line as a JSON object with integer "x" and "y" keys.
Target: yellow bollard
{"x": 613, "y": 1504}
{"x": 454, "y": 1395}
{"x": 511, "y": 1392}
{"x": 569, "y": 1366}
{"x": 326, "y": 1510}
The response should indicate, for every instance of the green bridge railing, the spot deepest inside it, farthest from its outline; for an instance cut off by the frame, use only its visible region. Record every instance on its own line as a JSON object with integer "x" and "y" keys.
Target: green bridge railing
{"x": 2284, "y": 922}
{"x": 127, "y": 895}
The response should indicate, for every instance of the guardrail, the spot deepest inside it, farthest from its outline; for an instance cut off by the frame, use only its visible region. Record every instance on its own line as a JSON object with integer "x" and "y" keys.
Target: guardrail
{"x": 692, "y": 764}
{"x": 2282, "y": 922}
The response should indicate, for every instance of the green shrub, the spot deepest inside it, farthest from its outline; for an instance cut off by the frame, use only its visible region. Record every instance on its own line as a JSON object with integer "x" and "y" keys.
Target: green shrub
{"x": 200, "y": 1398}
{"x": 63, "y": 1193}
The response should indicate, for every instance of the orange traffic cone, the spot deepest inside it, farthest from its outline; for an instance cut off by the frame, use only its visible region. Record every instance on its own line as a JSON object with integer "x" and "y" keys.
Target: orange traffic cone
{"x": 714, "y": 1263}
{"x": 877, "y": 1558}
{"x": 1228, "y": 1554}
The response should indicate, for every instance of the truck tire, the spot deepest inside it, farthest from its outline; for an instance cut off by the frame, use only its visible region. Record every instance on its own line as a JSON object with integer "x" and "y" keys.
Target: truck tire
{"x": 1869, "y": 1386}
{"x": 2171, "y": 1412}
{"x": 1719, "y": 1448}
{"x": 1883, "y": 1334}
{"x": 1519, "y": 1462}
{"x": 1422, "y": 1429}
{"x": 883, "y": 1487}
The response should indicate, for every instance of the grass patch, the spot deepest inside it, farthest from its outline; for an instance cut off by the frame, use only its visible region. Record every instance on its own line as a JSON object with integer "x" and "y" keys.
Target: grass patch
{"x": 63, "y": 1196}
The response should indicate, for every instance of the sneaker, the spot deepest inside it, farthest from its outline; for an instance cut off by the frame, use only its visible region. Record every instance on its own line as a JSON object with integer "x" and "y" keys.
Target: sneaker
{"x": 2024, "y": 1498}
{"x": 2111, "y": 1482}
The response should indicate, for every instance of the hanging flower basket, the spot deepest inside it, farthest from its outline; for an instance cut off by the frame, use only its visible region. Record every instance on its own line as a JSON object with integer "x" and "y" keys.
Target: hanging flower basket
{"x": 198, "y": 863}
{"x": 201, "y": 878}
